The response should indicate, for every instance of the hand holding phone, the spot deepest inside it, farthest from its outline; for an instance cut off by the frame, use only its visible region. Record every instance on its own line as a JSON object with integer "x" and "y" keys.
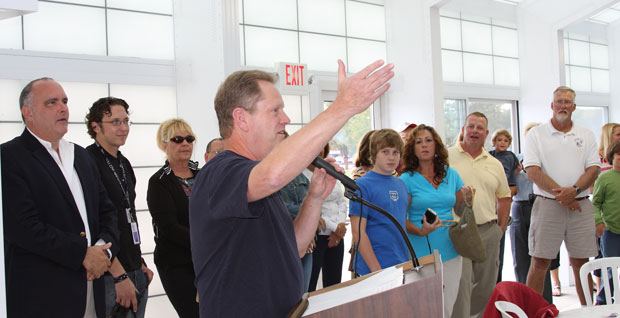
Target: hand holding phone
{"x": 431, "y": 216}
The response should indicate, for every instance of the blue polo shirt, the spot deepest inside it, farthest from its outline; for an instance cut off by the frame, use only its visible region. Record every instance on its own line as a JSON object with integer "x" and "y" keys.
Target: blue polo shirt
{"x": 390, "y": 194}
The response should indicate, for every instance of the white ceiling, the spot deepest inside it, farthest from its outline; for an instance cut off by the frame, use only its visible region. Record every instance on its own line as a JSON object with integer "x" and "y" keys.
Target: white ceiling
{"x": 607, "y": 16}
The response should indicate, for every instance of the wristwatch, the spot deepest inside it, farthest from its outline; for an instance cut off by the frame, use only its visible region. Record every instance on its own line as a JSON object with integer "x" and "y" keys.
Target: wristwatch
{"x": 577, "y": 189}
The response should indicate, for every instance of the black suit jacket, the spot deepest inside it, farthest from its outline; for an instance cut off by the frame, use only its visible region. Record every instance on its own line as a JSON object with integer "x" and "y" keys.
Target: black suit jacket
{"x": 44, "y": 235}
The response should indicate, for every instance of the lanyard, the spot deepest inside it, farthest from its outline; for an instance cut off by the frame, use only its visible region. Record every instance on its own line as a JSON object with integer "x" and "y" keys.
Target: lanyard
{"x": 123, "y": 183}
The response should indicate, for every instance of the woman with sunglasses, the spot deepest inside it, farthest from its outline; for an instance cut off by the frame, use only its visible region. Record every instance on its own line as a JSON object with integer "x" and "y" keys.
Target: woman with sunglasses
{"x": 168, "y": 201}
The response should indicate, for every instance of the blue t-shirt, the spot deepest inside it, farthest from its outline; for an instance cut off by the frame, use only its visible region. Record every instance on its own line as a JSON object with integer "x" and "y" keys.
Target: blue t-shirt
{"x": 390, "y": 194}
{"x": 510, "y": 163}
{"x": 440, "y": 200}
{"x": 244, "y": 253}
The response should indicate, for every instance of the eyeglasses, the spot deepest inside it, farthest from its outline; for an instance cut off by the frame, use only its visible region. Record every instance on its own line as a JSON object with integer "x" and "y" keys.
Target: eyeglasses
{"x": 117, "y": 122}
{"x": 179, "y": 139}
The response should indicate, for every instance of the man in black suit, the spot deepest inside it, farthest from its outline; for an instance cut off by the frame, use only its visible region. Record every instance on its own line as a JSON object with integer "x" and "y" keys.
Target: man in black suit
{"x": 59, "y": 225}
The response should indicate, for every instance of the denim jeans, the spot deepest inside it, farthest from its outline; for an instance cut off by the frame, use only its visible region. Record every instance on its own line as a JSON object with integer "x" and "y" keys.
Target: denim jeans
{"x": 610, "y": 246}
{"x": 138, "y": 278}
{"x": 306, "y": 264}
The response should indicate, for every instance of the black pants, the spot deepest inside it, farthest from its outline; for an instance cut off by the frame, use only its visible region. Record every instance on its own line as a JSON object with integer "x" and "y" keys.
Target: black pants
{"x": 502, "y": 243}
{"x": 329, "y": 260}
{"x": 521, "y": 213}
{"x": 178, "y": 282}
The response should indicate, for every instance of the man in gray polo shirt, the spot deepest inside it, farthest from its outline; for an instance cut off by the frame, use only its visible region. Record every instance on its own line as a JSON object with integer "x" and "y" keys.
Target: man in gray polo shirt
{"x": 562, "y": 161}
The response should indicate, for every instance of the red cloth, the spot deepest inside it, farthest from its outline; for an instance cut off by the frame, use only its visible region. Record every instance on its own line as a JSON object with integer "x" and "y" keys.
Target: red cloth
{"x": 532, "y": 303}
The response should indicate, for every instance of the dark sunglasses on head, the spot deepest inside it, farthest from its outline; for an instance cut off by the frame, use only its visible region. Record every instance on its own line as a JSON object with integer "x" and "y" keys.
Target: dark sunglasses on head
{"x": 179, "y": 139}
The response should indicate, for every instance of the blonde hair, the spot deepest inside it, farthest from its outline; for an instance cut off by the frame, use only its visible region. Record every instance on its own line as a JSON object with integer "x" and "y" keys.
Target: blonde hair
{"x": 529, "y": 126}
{"x": 606, "y": 132}
{"x": 383, "y": 138}
{"x": 169, "y": 128}
{"x": 501, "y": 132}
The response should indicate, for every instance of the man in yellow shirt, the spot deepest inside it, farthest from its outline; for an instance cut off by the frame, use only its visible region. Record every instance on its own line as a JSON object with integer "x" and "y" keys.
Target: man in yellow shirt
{"x": 491, "y": 208}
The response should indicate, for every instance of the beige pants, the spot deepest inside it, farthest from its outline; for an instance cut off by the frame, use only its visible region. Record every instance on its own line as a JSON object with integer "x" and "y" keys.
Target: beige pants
{"x": 478, "y": 279}
{"x": 451, "y": 281}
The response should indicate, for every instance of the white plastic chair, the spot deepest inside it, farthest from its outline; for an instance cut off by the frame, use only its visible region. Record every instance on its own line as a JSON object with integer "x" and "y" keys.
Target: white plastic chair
{"x": 602, "y": 264}
{"x": 506, "y": 307}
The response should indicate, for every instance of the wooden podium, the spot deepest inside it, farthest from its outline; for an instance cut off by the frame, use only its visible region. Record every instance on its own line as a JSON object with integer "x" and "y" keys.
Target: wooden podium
{"x": 421, "y": 295}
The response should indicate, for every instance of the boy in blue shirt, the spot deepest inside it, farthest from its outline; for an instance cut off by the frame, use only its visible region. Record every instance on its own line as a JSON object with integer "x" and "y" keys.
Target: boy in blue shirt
{"x": 379, "y": 242}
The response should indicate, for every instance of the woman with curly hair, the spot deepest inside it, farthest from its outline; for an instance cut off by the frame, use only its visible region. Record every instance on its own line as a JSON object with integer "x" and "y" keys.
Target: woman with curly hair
{"x": 432, "y": 184}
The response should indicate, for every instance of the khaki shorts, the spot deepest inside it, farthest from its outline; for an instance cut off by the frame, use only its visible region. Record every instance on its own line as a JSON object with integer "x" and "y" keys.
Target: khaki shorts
{"x": 553, "y": 223}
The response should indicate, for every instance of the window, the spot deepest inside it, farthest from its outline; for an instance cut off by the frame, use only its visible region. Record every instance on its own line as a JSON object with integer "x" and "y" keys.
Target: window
{"x": 344, "y": 144}
{"x": 300, "y": 30}
{"x": 591, "y": 117}
{"x": 478, "y": 50}
{"x": 455, "y": 111}
{"x": 297, "y": 108}
{"x": 501, "y": 115}
{"x": 587, "y": 63}
{"x": 138, "y": 28}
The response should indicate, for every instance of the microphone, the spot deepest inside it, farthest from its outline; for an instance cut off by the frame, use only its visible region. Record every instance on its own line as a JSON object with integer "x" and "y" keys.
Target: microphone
{"x": 346, "y": 181}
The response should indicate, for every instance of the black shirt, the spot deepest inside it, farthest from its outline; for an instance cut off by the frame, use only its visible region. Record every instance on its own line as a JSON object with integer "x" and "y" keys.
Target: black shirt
{"x": 245, "y": 254}
{"x": 129, "y": 255}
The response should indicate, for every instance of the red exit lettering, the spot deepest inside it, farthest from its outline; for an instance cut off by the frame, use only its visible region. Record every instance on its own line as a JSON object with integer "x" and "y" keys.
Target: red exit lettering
{"x": 294, "y": 75}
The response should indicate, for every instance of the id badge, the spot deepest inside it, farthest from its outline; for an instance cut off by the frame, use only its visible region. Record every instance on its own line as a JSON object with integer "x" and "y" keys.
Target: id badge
{"x": 128, "y": 214}
{"x": 134, "y": 233}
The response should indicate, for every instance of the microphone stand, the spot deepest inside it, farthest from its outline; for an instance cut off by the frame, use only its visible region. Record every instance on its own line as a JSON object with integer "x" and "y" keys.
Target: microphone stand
{"x": 351, "y": 195}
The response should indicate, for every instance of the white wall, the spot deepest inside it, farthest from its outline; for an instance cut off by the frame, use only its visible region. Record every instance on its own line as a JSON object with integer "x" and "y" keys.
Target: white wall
{"x": 613, "y": 37}
{"x": 540, "y": 47}
{"x": 412, "y": 45}
{"x": 205, "y": 55}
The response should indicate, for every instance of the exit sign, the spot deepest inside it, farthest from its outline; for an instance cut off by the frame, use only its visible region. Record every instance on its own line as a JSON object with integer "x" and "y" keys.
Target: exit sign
{"x": 292, "y": 78}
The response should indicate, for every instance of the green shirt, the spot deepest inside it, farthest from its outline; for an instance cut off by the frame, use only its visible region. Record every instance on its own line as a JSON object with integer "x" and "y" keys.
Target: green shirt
{"x": 606, "y": 200}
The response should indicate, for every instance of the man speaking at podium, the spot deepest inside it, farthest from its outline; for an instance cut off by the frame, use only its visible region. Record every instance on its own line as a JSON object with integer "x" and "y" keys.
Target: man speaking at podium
{"x": 245, "y": 248}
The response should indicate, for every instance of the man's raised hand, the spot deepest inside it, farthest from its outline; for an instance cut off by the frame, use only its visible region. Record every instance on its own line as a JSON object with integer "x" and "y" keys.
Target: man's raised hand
{"x": 362, "y": 89}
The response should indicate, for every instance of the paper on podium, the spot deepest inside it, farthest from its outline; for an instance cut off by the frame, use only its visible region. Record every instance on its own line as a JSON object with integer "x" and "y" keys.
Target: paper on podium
{"x": 386, "y": 279}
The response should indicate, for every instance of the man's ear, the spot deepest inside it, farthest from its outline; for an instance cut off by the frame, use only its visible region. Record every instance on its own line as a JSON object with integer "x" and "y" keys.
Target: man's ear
{"x": 26, "y": 113}
{"x": 95, "y": 127}
{"x": 240, "y": 118}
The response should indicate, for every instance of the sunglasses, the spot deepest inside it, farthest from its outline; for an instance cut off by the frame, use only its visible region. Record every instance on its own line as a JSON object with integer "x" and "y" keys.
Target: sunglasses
{"x": 179, "y": 139}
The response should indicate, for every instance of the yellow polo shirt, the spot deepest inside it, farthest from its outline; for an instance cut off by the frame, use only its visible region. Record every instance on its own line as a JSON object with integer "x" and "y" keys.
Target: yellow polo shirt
{"x": 486, "y": 175}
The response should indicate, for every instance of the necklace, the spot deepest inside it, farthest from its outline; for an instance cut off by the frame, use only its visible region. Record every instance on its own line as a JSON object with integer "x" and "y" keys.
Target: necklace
{"x": 430, "y": 177}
